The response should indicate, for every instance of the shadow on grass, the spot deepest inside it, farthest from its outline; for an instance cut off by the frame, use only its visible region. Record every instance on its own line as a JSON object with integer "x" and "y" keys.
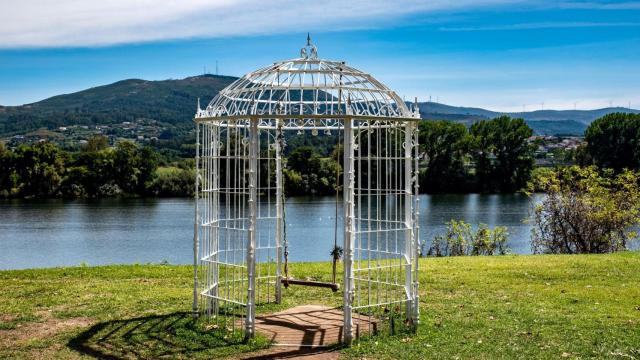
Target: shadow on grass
{"x": 155, "y": 336}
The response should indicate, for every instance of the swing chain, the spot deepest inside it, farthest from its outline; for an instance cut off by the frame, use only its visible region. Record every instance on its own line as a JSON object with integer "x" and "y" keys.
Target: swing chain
{"x": 282, "y": 144}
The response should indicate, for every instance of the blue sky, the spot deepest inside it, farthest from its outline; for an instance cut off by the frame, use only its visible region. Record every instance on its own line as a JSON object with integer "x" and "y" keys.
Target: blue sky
{"x": 495, "y": 54}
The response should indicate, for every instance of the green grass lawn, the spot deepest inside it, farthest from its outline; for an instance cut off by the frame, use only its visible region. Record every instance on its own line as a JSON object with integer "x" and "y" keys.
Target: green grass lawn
{"x": 578, "y": 306}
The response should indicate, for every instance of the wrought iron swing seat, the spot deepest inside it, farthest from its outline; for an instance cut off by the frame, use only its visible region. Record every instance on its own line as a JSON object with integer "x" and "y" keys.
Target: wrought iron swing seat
{"x": 240, "y": 244}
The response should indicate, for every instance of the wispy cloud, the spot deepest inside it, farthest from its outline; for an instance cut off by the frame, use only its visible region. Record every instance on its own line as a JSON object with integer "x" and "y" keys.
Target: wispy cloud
{"x": 541, "y": 25}
{"x": 599, "y": 5}
{"x": 64, "y": 23}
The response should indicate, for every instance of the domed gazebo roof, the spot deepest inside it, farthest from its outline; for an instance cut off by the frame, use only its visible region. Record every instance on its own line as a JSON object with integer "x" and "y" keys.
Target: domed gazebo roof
{"x": 307, "y": 87}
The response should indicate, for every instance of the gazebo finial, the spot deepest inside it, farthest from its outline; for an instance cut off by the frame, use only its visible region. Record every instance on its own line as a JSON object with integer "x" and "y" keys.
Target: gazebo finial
{"x": 309, "y": 51}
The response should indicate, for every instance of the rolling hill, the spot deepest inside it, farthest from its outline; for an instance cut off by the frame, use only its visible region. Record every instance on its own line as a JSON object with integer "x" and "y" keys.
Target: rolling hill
{"x": 173, "y": 102}
{"x": 167, "y": 101}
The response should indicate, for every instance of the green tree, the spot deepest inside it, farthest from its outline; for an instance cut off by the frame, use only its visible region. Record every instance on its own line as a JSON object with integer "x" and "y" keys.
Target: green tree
{"x": 90, "y": 172}
{"x": 96, "y": 143}
{"x": 501, "y": 152}
{"x": 6, "y": 171}
{"x": 304, "y": 160}
{"x": 174, "y": 182}
{"x": 445, "y": 145}
{"x": 39, "y": 169}
{"x": 585, "y": 211}
{"x": 308, "y": 172}
{"x": 613, "y": 141}
{"x": 482, "y": 154}
{"x": 125, "y": 164}
{"x": 147, "y": 166}
{"x": 75, "y": 183}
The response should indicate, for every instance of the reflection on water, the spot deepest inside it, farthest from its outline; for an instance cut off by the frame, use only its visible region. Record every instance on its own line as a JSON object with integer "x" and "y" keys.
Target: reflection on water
{"x": 63, "y": 233}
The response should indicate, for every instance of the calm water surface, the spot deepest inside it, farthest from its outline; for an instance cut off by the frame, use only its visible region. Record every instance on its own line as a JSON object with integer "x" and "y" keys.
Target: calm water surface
{"x": 66, "y": 233}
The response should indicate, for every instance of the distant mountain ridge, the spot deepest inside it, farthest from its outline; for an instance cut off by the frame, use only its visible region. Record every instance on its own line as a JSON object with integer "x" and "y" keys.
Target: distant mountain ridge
{"x": 173, "y": 102}
{"x": 546, "y": 122}
{"x": 583, "y": 116}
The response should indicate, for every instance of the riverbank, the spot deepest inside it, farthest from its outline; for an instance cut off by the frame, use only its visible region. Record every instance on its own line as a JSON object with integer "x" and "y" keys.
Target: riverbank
{"x": 538, "y": 306}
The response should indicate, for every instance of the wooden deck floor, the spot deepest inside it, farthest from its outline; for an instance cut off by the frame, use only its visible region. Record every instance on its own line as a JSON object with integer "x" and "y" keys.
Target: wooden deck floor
{"x": 303, "y": 331}
{"x": 306, "y": 326}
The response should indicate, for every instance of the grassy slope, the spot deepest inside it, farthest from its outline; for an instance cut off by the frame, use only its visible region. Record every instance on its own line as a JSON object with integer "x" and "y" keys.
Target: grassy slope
{"x": 473, "y": 307}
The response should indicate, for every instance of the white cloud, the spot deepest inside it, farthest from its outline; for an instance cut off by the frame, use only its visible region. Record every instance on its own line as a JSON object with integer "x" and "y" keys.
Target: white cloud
{"x": 73, "y": 23}
{"x": 542, "y": 25}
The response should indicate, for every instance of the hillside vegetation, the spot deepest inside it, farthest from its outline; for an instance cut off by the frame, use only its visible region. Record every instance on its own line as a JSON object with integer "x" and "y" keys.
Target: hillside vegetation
{"x": 528, "y": 307}
{"x": 173, "y": 103}
{"x": 168, "y": 101}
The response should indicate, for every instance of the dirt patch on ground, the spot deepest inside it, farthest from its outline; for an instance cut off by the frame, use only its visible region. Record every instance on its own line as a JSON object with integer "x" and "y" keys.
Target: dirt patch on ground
{"x": 47, "y": 327}
{"x": 7, "y": 318}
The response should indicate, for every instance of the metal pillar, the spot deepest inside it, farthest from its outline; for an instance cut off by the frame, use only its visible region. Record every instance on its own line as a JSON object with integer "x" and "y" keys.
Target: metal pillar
{"x": 349, "y": 228}
{"x": 253, "y": 221}
{"x": 416, "y": 226}
{"x": 279, "y": 209}
{"x": 196, "y": 226}
{"x": 214, "y": 156}
{"x": 408, "y": 219}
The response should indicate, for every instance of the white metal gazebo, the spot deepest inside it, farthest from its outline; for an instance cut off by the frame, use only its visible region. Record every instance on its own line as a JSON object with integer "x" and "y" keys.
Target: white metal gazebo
{"x": 238, "y": 242}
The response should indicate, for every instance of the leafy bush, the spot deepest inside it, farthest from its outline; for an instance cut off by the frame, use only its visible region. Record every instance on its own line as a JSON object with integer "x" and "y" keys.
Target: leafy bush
{"x": 109, "y": 190}
{"x": 585, "y": 211}
{"x": 174, "y": 182}
{"x": 460, "y": 239}
{"x": 536, "y": 184}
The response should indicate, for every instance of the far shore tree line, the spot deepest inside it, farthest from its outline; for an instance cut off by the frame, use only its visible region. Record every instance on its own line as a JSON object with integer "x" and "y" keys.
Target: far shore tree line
{"x": 490, "y": 156}
{"x": 43, "y": 170}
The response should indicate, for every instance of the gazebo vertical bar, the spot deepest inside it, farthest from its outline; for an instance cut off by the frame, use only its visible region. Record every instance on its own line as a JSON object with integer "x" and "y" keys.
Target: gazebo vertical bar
{"x": 416, "y": 222}
{"x": 196, "y": 222}
{"x": 408, "y": 218}
{"x": 279, "y": 210}
{"x": 253, "y": 221}
{"x": 349, "y": 224}
{"x": 214, "y": 205}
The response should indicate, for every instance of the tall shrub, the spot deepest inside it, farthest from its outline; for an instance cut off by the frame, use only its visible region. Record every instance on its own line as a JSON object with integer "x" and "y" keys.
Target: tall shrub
{"x": 460, "y": 239}
{"x": 585, "y": 211}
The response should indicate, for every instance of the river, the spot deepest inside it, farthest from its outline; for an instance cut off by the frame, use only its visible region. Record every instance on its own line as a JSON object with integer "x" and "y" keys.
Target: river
{"x": 48, "y": 233}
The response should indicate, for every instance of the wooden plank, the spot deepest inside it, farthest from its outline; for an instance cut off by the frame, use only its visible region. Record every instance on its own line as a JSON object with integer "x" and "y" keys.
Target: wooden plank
{"x": 306, "y": 326}
{"x": 332, "y": 286}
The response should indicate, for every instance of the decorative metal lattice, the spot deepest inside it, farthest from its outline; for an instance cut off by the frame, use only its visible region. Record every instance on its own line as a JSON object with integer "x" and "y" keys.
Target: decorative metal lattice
{"x": 238, "y": 238}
